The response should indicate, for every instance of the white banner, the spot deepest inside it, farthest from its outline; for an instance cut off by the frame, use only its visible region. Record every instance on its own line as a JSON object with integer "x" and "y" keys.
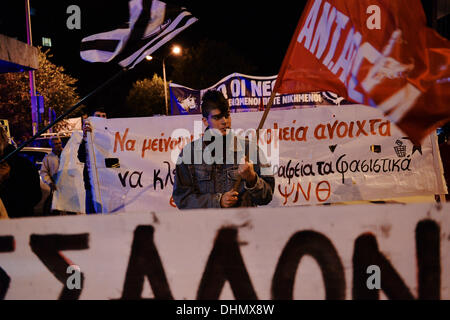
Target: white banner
{"x": 326, "y": 155}
{"x": 70, "y": 194}
{"x": 338, "y": 252}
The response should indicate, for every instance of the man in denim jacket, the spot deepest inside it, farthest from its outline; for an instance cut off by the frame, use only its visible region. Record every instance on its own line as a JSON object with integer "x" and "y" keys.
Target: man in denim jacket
{"x": 209, "y": 169}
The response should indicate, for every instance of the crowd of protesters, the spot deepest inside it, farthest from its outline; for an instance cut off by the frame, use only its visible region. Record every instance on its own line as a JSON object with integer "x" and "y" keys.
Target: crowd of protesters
{"x": 19, "y": 172}
{"x": 22, "y": 182}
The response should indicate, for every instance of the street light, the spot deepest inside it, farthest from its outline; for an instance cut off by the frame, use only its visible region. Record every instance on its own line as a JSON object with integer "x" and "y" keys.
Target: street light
{"x": 176, "y": 50}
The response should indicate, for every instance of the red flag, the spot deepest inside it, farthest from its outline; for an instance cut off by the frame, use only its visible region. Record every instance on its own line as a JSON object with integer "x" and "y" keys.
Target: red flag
{"x": 401, "y": 68}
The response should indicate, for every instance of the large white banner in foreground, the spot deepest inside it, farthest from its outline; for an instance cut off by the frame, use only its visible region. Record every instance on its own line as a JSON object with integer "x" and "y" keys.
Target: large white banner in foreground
{"x": 319, "y": 155}
{"x": 333, "y": 252}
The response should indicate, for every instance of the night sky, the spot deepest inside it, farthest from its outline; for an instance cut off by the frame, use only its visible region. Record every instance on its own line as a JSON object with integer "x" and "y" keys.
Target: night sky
{"x": 260, "y": 31}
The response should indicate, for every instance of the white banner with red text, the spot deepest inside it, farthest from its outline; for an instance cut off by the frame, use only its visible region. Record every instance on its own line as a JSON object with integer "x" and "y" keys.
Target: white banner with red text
{"x": 319, "y": 155}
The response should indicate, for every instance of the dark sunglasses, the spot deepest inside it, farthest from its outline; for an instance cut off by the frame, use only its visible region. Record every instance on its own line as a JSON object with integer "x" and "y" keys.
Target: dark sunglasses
{"x": 220, "y": 115}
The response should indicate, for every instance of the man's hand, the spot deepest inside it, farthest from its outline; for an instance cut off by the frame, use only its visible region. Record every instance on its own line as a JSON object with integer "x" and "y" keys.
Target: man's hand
{"x": 53, "y": 186}
{"x": 86, "y": 128}
{"x": 229, "y": 199}
{"x": 247, "y": 172}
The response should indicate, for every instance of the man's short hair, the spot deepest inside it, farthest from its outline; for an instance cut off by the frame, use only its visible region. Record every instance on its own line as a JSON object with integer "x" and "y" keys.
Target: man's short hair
{"x": 54, "y": 139}
{"x": 214, "y": 99}
{"x": 97, "y": 109}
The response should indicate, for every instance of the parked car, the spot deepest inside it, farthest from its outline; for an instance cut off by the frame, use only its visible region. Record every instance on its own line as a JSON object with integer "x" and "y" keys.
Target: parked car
{"x": 43, "y": 141}
{"x": 36, "y": 155}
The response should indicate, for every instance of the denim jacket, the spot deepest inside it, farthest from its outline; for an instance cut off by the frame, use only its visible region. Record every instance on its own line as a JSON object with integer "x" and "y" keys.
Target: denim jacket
{"x": 202, "y": 185}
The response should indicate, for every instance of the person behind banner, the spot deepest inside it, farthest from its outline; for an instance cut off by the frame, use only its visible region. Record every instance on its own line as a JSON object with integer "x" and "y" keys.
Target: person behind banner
{"x": 91, "y": 206}
{"x": 49, "y": 171}
{"x": 224, "y": 177}
{"x": 20, "y": 188}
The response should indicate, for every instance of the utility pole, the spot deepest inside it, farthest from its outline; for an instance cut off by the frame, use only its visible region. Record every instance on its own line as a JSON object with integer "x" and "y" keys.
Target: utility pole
{"x": 34, "y": 110}
{"x": 165, "y": 86}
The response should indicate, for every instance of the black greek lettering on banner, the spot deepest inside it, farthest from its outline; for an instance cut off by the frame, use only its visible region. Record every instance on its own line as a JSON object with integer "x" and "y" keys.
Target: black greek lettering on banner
{"x": 48, "y": 249}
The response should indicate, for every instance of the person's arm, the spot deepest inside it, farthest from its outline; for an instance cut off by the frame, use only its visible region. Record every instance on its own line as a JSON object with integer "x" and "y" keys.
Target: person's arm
{"x": 262, "y": 185}
{"x": 45, "y": 171}
{"x": 187, "y": 196}
{"x": 261, "y": 192}
{"x": 82, "y": 152}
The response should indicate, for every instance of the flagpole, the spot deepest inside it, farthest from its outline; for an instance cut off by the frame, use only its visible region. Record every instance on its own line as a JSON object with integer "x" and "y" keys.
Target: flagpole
{"x": 66, "y": 113}
{"x": 280, "y": 75}
{"x": 261, "y": 124}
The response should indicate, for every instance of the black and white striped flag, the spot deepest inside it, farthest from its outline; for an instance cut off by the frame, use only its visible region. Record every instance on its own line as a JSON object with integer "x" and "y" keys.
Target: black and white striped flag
{"x": 151, "y": 24}
{"x": 332, "y": 97}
